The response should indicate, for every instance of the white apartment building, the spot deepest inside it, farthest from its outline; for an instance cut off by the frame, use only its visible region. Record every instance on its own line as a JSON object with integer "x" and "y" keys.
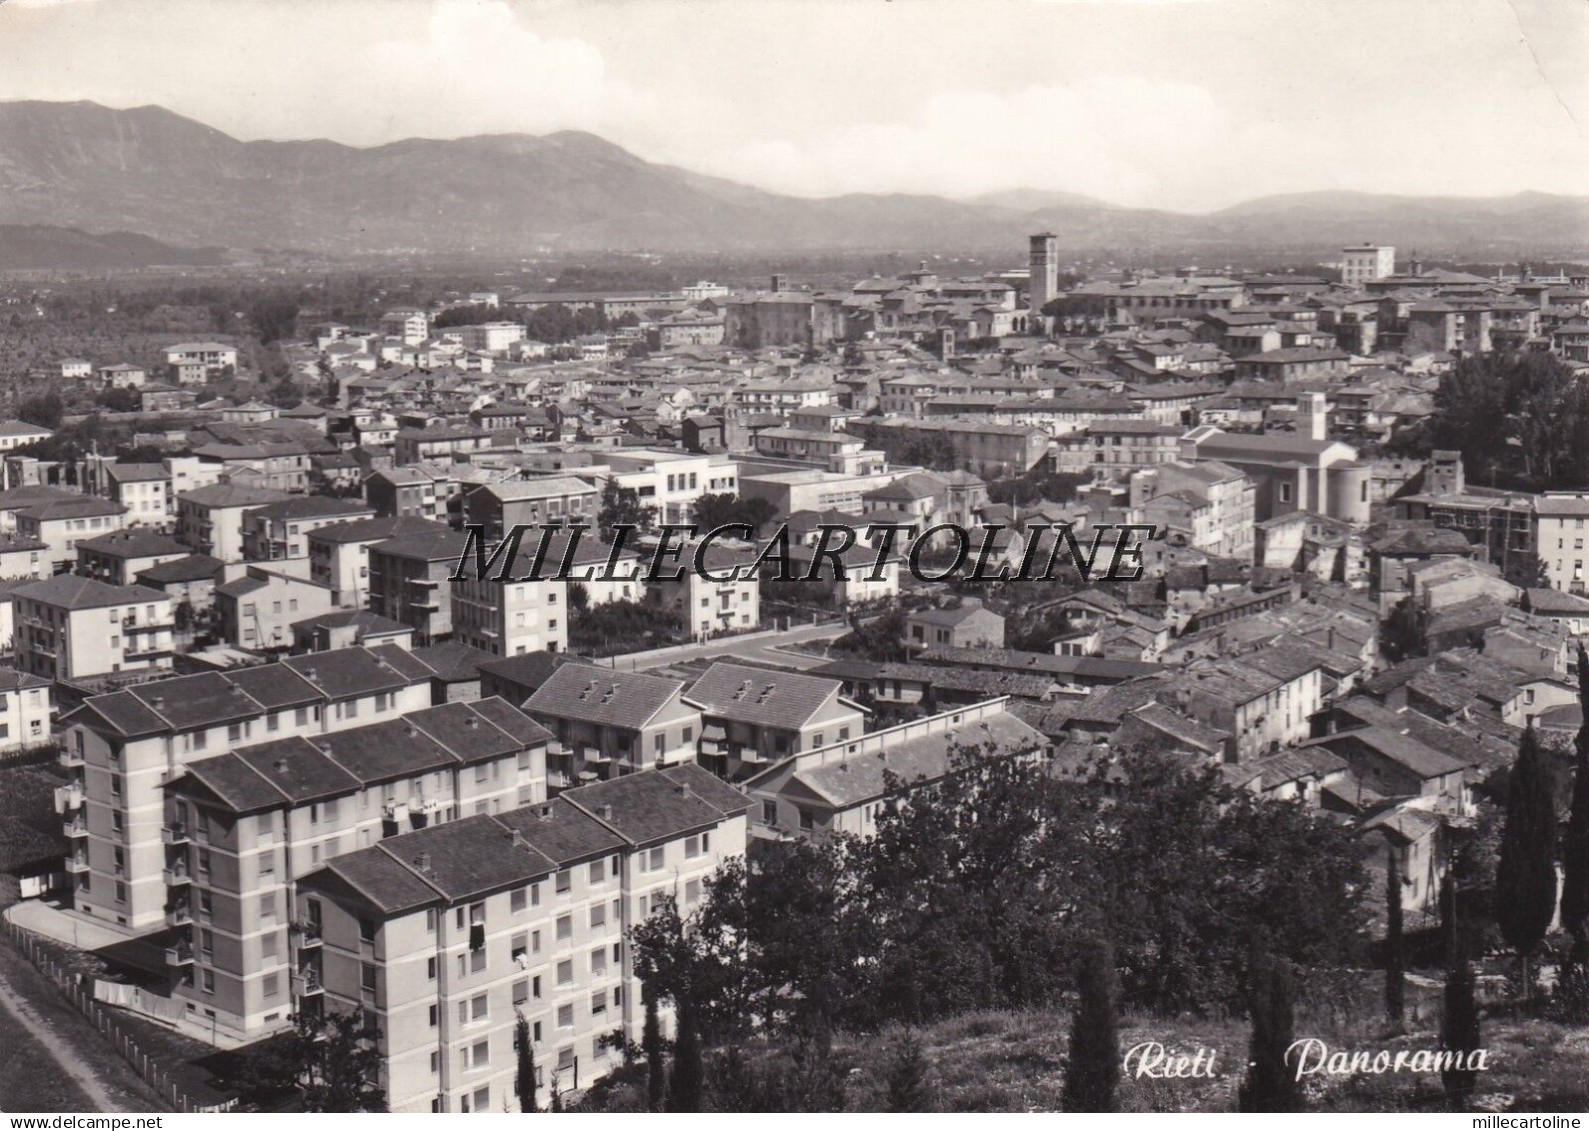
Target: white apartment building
{"x": 671, "y": 482}
{"x": 510, "y": 618}
{"x": 1559, "y": 533}
{"x": 243, "y": 826}
{"x": 122, "y": 747}
{"x": 1366, "y": 263}
{"x": 210, "y": 518}
{"x": 62, "y": 523}
{"x": 448, "y": 935}
{"x": 69, "y": 627}
{"x": 490, "y": 337}
{"x": 26, "y": 702}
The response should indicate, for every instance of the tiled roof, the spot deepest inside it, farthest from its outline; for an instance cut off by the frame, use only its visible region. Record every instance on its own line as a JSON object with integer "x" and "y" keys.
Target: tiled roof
{"x": 69, "y": 591}
{"x": 765, "y": 698}
{"x": 599, "y": 695}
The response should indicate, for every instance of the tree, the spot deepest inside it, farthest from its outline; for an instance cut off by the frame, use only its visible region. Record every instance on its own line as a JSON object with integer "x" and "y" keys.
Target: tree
{"x": 909, "y": 1076}
{"x": 1395, "y": 943}
{"x": 1092, "y": 1071}
{"x": 1526, "y": 876}
{"x": 1526, "y": 570}
{"x": 712, "y": 511}
{"x": 331, "y": 1060}
{"x": 688, "y": 1077}
{"x": 273, "y": 319}
{"x": 120, "y": 400}
{"x": 524, "y": 1083}
{"x": 1459, "y": 1031}
{"x": 651, "y": 1041}
{"x": 622, "y": 506}
{"x": 1575, "y": 844}
{"x": 1270, "y": 1085}
{"x": 45, "y": 411}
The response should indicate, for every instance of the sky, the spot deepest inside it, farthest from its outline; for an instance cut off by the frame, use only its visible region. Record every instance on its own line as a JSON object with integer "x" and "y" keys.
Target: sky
{"x": 1184, "y": 104}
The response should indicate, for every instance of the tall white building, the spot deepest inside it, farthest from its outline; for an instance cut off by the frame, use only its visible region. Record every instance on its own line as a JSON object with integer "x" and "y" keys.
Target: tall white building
{"x": 1364, "y": 264}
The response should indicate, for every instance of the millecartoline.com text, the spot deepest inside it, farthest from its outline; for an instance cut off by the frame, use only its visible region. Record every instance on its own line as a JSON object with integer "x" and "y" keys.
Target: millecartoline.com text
{"x": 732, "y": 552}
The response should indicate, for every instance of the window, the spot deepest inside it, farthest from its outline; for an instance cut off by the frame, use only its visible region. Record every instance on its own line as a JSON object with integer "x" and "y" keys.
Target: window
{"x": 270, "y": 985}
{"x": 692, "y": 891}
{"x": 565, "y": 883}
{"x": 565, "y": 972}
{"x": 519, "y": 900}
{"x": 654, "y": 859}
{"x": 565, "y": 927}
{"x": 433, "y": 1017}
{"x": 520, "y": 946}
{"x": 521, "y": 991}
{"x": 430, "y": 968}
{"x": 598, "y": 1003}
{"x": 598, "y": 960}
{"x": 565, "y": 1017}
{"x": 598, "y": 916}
{"x": 598, "y": 871}
{"x": 692, "y": 847}
{"x": 769, "y": 812}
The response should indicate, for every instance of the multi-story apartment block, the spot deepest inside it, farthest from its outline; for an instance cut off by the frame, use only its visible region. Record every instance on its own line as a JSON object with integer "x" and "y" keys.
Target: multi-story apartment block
{"x": 208, "y": 358}
{"x": 339, "y": 554}
{"x": 279, "y": 531}
{"x": 210, "y": 518}
{"x": 122, "y": 747}
{"x": 711, "y": 607}
{"x": 419, "y": 490}
{"x": 511, "y": 618}
{"x": 70, "y": 627}
{"x": 840, "y": 787}
{"x": 446, "y": 936}
{"x": 491, "y": 337}
{"x": 61, "y": 524}
{"x": 1366, "y": 263}
{"x": 612, "y": 723}
{"x": 256, "y": 612}
{"x": 23, "y": 557}
{"x": 409, "y": 581}
{"x": 752, "y": 716}
{"x": 118, "y": 558}
{"x": 1559, "y": 519}
{"x": 144, "y": 489}
{"x": 417, "y": 445}
{"x": 1215, "y": 502}
{"x": 26, "y": 702}
{"x": 412, "y": 326}
{"x": 558, "y": 499}
{"x": 669, "y": 482}
{"x": 281, "y": 465}
{"x": 243, "y": 826}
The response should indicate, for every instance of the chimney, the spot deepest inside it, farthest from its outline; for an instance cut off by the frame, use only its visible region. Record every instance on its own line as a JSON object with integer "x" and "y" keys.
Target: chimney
{"x": 158, "y": 702}
{"x": 422, "y": 862}
{"x": 605, "y": 812}
{"x": 281, "y": 765}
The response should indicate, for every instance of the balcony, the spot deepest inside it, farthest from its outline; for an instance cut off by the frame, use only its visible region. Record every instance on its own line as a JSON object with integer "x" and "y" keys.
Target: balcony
{"x": 68, "y": 797}
{"x": 179, "y": 914}
{"x": 179, "y": 955}
{"x": 177, "y": 876}
{"x": 308, "y": 934}
{"x": 131, "y": 624}
{"x": 77, "y": 863}
{"x": 306, "y": 983}
{"x": 176, "y": 833}
{"x": 72, "y": 759}
{"x": 76, "y": 827}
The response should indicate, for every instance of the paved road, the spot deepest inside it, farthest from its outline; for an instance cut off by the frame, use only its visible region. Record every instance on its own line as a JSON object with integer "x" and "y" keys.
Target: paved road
{"x": 763, "y": 648}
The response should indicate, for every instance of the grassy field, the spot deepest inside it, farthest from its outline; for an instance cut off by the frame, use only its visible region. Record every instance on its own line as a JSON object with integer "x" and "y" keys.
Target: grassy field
{"x": 37, "y": 1084}
{"x": 1016, "y": 1062}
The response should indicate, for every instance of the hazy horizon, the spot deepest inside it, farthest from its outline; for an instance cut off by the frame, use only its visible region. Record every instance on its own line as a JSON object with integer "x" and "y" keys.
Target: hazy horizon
{"x": 1183, "y": 105}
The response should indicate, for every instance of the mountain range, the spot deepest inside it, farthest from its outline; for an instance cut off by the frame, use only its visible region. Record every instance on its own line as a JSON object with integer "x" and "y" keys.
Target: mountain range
{"x": 79, "y": 165}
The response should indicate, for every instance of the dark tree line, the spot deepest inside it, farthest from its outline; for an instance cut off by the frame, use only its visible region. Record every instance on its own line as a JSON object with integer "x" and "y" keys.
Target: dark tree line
{"x": 991, "y": 889}
{"x": 1520, "y": 419}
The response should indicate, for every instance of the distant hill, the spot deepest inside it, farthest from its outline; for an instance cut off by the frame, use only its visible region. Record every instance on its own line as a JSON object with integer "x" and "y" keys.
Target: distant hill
{"x": 80, "y": 165}
{"x": 35, "y": 247}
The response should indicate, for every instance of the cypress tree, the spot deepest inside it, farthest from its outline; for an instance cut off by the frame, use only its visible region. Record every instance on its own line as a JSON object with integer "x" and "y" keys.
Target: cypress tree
{"x": 1092, "y": 1070}
{"x": 1575, "y": 845}
{"x": 909, "y": 1076}
{"x": 525, "y": 1082}
{"x": 1271, "y": 1085}
{"x": 1525, "y": 878}
{"x": 684, "y": 1091}
{"x": 1395, "y": 943}
{"x": 651, "y": 1041}
{"x": 1459, "y": 1030}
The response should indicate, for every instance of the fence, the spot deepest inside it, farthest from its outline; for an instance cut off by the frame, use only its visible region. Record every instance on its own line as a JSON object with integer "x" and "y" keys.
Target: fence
{"x": 79, "y": 992}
